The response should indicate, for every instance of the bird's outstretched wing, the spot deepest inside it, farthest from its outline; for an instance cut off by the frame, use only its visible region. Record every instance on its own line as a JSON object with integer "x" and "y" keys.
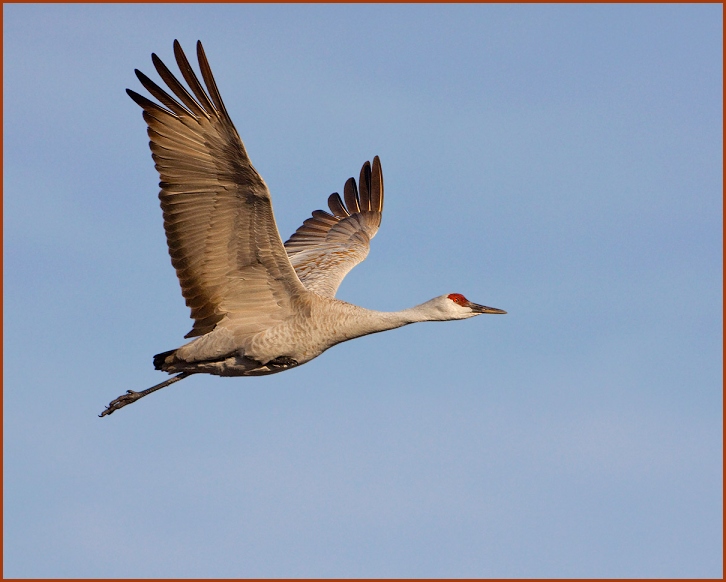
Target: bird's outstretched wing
{"x": 327, "y": 246}
{"x": 221, "y": 232}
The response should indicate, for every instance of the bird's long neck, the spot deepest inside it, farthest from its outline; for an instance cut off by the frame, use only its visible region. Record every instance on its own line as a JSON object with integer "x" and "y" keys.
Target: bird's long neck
{"x": 365, "y": 321}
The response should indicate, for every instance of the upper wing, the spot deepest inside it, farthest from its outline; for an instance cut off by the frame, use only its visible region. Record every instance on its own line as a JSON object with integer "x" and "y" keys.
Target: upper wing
{"x": 327, "y": 246}
{"x": 221, "y": 232}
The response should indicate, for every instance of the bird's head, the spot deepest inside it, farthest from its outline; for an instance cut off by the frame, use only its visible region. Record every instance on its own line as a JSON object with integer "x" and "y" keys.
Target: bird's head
{"x": 456, "y": 306}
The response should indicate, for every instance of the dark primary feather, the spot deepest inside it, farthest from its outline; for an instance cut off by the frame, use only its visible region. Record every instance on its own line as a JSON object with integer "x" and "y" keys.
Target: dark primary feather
{"x": 336, "y": 206}
{"x": 365, "y": 186}
{"x": 350, "y": 193}
{"x": 177, "y": 88}
{"x": 191, "y": 78}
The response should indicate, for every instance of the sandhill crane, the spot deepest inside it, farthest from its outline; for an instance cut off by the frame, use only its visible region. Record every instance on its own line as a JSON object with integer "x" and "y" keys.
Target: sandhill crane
{"x": 259, "y": 307}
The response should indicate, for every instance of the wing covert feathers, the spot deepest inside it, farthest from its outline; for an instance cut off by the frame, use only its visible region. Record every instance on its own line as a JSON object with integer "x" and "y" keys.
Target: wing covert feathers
{"x": 220, "y": 228}
{"x": 327, "y": 246}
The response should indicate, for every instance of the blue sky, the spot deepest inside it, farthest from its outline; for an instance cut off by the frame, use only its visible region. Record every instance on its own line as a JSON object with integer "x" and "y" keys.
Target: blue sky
{"x": 561, "y": 162}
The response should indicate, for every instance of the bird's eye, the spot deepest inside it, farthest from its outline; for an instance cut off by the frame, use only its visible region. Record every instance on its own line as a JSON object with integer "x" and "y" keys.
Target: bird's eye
{"x": 459, "y": 299}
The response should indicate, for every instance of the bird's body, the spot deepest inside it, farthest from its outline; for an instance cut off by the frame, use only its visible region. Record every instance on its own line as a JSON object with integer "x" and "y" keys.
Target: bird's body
{"x": 259, "y": 307}
{"x": 317, "y": 324}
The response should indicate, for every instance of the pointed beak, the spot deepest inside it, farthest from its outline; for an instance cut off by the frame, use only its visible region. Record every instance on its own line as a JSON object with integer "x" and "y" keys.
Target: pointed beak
{"x": 476, "y": 308}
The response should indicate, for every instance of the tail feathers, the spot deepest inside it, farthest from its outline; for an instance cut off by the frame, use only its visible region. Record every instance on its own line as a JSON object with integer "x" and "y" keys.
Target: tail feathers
{"x": 160, "y": 359}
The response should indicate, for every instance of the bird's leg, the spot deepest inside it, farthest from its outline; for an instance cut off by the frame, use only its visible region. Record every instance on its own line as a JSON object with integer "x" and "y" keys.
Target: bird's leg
{"x": 132, "y": 396}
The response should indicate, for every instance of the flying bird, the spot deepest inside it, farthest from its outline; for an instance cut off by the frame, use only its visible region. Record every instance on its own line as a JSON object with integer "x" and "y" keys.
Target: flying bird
{"x": 259, "y": 306}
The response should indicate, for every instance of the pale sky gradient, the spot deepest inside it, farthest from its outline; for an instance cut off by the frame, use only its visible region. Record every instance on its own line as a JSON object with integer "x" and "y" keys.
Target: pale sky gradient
{"x": 561, "y": 162}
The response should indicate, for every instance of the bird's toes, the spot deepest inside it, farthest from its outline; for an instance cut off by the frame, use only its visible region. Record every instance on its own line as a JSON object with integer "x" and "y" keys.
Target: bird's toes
{"x": 121, "y": 401}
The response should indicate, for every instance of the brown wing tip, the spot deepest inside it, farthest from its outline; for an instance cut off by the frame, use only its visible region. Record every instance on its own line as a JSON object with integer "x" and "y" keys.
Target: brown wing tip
{"x": 201, "y": 55}
{"x": 366, "y": 196}
{"x": 377, "y": 186}
{"x": 335, "y": 203}
{"x": 352, "y": 197}
{"x": 179, "y": 52}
